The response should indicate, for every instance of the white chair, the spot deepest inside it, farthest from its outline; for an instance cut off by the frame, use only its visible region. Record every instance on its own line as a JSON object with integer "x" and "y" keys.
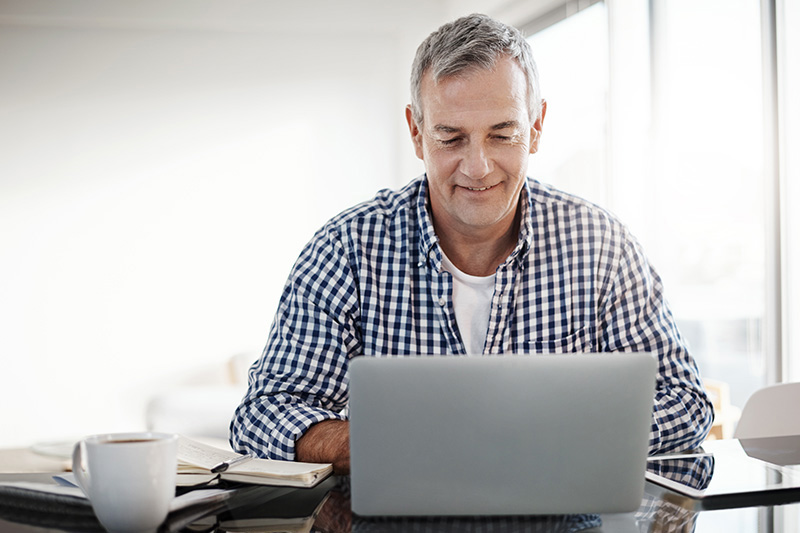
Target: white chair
{"x": 773, "y": 411}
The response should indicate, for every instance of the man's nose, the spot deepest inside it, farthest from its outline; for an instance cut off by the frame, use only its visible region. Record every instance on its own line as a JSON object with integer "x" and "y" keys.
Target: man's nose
{"x": 476, "y": 163}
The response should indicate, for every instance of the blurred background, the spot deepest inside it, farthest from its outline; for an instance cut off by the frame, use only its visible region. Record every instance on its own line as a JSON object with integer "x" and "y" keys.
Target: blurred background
{"x": 162, "y": 163}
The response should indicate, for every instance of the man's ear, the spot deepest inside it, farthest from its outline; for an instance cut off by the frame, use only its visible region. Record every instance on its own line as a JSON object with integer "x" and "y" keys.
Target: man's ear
{"x": 415, "y": 131}
{"x": 536, "y": 129}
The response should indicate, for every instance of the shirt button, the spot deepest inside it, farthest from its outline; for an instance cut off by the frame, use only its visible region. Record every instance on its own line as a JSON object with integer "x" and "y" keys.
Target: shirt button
{"x": 442, "y": 302}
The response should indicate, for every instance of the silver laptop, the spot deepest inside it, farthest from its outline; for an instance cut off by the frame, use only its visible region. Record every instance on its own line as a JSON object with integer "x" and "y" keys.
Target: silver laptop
{"x": 499, "y": 435}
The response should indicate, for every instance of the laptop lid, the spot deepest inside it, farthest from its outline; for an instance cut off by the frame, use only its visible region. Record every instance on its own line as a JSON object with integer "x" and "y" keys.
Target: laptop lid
{"x": 499, "y": 435}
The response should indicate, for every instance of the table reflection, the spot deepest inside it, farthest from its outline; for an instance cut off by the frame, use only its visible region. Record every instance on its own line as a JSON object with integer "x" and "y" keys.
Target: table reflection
{"x": 543, "y": 524}
{"x": 664, "y": 511}
{"x": 335, "y": 516}
{"x": 693, "y": 470}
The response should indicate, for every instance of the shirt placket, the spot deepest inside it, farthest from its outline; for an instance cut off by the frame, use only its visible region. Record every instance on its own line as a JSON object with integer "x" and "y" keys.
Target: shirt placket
{"x": 441, "y": 294}
{"x": 499, "y": 332}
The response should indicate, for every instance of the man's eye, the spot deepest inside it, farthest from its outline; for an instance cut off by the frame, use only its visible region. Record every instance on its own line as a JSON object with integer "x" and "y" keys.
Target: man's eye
{"x": 448, "y": 142}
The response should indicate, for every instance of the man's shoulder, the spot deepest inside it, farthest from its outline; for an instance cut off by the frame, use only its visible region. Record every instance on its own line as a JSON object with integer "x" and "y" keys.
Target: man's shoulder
{"x": 387, "y": 207}
{"x": 545, "y": 198}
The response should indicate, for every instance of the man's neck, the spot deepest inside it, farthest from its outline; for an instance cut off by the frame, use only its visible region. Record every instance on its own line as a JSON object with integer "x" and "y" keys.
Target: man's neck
{"x": 479, "y": 254}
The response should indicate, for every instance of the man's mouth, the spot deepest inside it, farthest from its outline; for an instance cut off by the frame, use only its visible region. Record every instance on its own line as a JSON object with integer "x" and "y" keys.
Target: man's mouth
{"x": 479, "y": 189}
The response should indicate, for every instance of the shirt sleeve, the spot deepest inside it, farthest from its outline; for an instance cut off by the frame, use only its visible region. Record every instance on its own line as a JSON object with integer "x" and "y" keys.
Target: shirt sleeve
{"x": 636, "y": 317}
{"x": 301, "y": 377}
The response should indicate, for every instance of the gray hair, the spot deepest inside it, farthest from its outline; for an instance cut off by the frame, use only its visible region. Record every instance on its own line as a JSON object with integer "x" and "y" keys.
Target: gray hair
{"x": 474, "y": 41}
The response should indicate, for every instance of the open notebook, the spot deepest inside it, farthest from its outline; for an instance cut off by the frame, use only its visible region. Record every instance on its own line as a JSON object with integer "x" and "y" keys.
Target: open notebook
{"x": 196, "y": 462}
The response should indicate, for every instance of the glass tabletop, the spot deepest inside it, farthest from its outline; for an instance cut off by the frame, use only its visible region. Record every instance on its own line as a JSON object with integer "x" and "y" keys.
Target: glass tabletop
{"x": 725, "y": 486}
{"x": 733, "y": 473}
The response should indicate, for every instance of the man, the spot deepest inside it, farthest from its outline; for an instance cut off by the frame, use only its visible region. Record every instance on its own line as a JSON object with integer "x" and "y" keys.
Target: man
{"x": 473, "y": 257}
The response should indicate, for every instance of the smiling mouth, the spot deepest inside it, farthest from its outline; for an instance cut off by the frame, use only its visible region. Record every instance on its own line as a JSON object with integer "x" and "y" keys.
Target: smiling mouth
{"x": 479, "y": 189}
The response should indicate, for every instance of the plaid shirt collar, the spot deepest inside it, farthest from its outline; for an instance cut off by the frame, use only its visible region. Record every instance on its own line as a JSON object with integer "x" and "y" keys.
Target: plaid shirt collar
{"x": 428, "y": 242}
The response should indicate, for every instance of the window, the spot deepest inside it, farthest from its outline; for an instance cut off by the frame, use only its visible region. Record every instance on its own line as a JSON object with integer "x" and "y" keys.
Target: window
{"x": 789, "y": 119}
{"x": 707, "y": 171}
{"x": 671, "y": 141}
{"x": 573, "y": 69}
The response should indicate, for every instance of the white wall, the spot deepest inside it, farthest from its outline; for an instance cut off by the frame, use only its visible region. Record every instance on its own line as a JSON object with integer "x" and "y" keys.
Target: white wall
{"x": 162, "y": 164}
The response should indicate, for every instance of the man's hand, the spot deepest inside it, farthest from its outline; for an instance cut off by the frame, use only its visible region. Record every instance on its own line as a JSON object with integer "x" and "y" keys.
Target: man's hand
{"x": 326, "y": 442}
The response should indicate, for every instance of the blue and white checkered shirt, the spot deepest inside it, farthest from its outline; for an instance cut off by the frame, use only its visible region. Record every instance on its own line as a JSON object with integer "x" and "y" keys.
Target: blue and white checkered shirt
{"x": 371, "y": 282}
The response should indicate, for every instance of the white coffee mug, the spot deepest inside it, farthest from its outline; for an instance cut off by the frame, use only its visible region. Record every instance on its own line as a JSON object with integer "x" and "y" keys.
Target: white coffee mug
{"x": 129, "y": 478}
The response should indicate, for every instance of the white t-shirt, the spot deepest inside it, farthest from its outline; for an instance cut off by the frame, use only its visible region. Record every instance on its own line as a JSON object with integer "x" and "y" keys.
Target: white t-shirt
{"x": 472, "y": 302}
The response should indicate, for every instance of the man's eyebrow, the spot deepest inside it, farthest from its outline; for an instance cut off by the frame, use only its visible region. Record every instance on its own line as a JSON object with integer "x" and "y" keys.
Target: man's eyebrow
{"x": 446, "y": 129}
{"x": 505, "y": 125}
{"x": 443, "y": 128}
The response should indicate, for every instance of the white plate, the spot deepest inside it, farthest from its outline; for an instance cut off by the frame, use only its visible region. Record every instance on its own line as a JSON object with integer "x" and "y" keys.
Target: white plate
{"x": 56, "y": 449}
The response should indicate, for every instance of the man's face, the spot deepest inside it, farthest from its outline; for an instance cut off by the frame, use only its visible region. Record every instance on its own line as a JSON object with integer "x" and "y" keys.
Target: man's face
{"x": 475, "y": 140}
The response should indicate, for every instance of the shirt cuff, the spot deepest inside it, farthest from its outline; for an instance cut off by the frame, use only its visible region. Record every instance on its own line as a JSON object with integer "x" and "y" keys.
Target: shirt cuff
{"x": 271, "y": 431}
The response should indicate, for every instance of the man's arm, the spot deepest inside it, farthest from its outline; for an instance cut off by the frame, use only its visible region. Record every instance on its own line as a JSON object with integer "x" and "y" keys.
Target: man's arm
{"x": 636, "y": 317}
{"x": 300, "y": 380}
{"x": 326, "y": 442}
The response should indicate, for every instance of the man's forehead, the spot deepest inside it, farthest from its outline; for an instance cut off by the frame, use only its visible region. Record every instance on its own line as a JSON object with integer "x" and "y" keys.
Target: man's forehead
{"x": 448, "y": 116}
{"x": 471, "y": 90}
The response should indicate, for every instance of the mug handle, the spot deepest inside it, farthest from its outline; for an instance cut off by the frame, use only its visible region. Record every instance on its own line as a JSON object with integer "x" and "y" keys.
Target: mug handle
{"x": 77, "y": 468}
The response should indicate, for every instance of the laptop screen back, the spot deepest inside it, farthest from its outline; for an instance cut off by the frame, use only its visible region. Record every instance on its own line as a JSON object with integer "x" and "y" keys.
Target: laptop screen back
{"x": 499, "y": 435}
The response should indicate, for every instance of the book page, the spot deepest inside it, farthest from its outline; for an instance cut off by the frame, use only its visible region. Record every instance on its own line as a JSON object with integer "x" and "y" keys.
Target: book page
{"x": 199, "y": 454}
{"x": 268, "y": 467}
